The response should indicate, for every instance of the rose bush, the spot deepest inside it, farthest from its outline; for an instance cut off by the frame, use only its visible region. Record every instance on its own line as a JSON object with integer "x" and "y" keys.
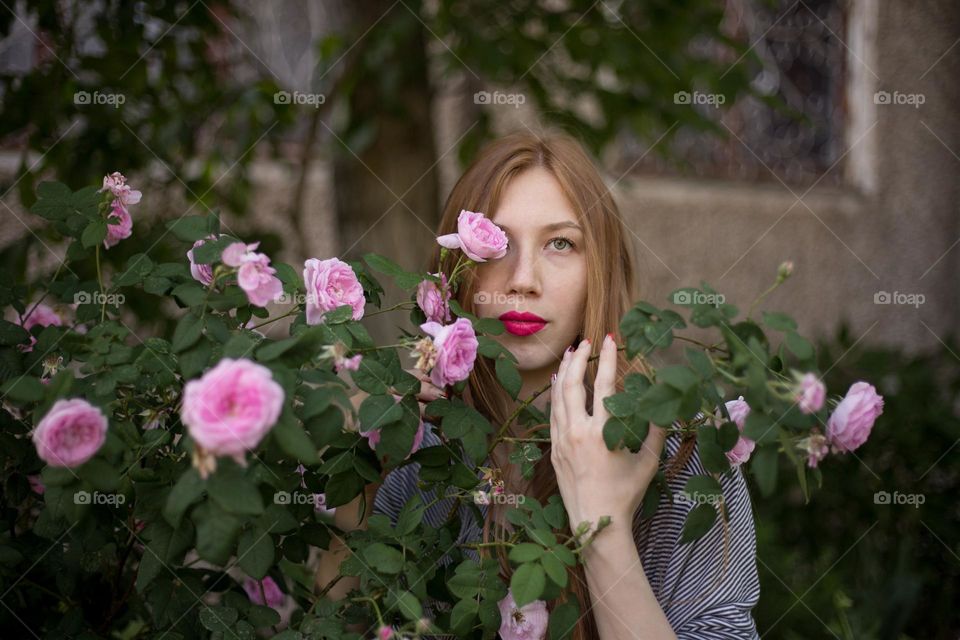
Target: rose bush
{"x": 176, "y": 485}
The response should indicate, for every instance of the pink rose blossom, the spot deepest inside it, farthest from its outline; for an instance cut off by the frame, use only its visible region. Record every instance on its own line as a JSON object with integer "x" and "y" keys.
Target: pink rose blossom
{"x": 434, "y": 300}
{"x": 116, "y": 183}
{"x": 71, "y": 433}
{"x": 202, "y": 273}
{"x": 330, "y": 284}
{"x": 231, "y": 408}
{"x": 810, "y": 393}
{"x": 117, "y": 231}
{"x": 254, "y": 273}
{"x": 850, "y": 423}
{"x": 456, "y": 350}
{"x": 478, "y": 237}
{"x": 526, "y": 623}
{"x": 739, "y": 410}
{"x": 274, "y": 596}
{"x": 384, "y": 633}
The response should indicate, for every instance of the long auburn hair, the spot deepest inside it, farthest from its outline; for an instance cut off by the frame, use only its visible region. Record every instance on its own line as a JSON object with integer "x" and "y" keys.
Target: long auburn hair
{"x": 611, "y": 290}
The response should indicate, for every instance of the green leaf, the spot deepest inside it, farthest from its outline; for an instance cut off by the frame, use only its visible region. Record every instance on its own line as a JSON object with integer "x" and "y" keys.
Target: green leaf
{"x": 698, "y": 522}
{"x": 407, "y": 603}
{"x": 660, "y": 404}
{"x": 702, "y": 485}
{"x": 527, "y": 583}
{"x": 220, "y": 619}
{"x": 678, "y": 376}
{"x": 620, "y": 405}
{"x": 379, "y": 410}
{"x": 217, "y": 532}
{"x": 798, "y": 345}
{"x": 509, "y": 377}
{"x": 255, "y": 552}
{"x": 190, "y": 228}
{"x": 234, "y": 493}
{"x": 23, "y": 389}
{"x": 93, "y": 234}
{"x": 563, "y": 620}
{"x": 404, "y": 279}
{"x": 383, "y": 558}
{"x": 779, "y": 321}
{"x": 294, "y": 441}
{"x": 554, "y": 569}
{"x": 462, "y": 615}
{"x": 525, "y": 552}
{"x": 187, "y": 332}
{"x": 188, "y": 490}
{"x": 190, "y": 294}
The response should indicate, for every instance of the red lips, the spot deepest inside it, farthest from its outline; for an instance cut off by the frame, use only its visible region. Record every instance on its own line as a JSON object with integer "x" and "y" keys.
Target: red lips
{"x": 522, "y": 323}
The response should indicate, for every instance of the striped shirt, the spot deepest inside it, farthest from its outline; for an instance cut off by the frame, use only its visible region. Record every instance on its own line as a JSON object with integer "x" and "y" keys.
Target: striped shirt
{"x": 701, "y": 598}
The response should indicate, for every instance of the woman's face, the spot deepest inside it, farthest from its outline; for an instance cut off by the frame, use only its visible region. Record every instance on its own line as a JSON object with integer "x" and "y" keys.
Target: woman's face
{"x": 544, "y": 272}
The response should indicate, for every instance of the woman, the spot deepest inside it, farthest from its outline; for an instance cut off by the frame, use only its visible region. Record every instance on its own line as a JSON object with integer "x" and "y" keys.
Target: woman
{"x": 569, "y": 272}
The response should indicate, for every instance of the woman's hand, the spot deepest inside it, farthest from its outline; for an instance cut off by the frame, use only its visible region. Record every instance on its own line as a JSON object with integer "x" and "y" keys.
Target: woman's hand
{"x": 593, "y": 480}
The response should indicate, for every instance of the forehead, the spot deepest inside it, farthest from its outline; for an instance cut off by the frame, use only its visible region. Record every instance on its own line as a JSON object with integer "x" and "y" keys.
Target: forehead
{"x": 532, "y": 199}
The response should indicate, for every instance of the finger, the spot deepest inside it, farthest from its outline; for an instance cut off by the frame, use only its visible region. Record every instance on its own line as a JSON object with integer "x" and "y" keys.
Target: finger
{"x": 554, "y": 428}
{"x": 574, "y": 393}
{"x": 605, "y": 383}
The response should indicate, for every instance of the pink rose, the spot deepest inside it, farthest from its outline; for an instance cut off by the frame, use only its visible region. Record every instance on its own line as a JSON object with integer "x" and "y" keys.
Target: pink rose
{"x": 810, "y": 393}
{"x": 456, "y": 349}
{"x": 434, "y": 300}
{"x": 526, "y": 623}
{"x": 231, "y": 408}
{"x": 117, "y": 231}
{"x": 254, "y": 273}
{"x": 202, "y": 273}
{"x": 274, "y": 596}
{"x": 851, "y": 422}
{"x": 331, "y": 283}
{"x": 117, "y": 185}
{"x": 477, "y": 236}
{"x": 70, "y": 434}
{"x": 739, "y": 410}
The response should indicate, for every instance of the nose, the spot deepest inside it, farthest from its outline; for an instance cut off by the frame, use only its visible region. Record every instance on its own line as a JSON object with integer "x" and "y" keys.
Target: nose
{"x": 525, "y": 273}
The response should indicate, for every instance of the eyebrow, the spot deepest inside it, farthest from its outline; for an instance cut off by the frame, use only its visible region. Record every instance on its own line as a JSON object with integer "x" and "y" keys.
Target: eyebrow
{"x": 552, "y": 226}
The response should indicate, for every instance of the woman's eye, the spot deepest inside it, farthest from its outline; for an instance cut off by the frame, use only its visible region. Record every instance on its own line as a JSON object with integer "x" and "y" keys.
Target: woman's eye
{"x": 561, "y": 243}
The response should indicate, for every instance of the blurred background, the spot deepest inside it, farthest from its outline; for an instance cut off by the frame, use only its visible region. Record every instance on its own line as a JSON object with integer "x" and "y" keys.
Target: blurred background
{"x": 734, "y": 134}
